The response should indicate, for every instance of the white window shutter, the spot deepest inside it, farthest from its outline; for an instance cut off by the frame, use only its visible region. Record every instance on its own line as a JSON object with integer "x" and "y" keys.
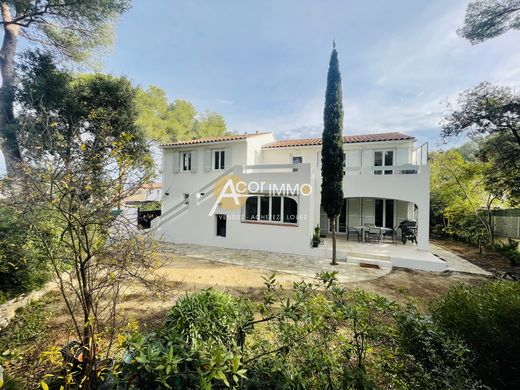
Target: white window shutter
{"x": 354, "y": 158}
{"x": 368, "y": 158}
{"x": 176, "y": 162}
{"x": 403, "y": 156}
{"x": 194, "y": 160}
{"x": 227, "y": 160}
{"x": 207, "y": 160}
{"x": 369, "y": 215}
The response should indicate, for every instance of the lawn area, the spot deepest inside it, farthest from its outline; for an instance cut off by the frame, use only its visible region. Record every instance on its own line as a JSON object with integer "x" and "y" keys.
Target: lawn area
{"x": 45, "y": 323}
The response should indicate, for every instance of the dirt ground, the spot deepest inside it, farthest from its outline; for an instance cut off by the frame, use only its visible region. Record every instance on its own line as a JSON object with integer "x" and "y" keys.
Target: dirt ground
{"x": 490, "y": 261}
{"x": 188, "y": 274}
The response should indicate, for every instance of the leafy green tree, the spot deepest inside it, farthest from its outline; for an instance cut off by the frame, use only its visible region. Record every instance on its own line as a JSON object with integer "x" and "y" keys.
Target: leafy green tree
{"x": 502, "y": 177}
{"x": 492, "y": 114}
{"x": 210, "y": 124}
{"x": 332, "y": 149}
{"x": 486, "y": 19}
{"x": 483, "y": 110}
{"x": 85, "y": 154}
{"x": 152, "y": 105}
{"x": 182, "y": 119}
{"x": 66, "y": 114}
{"x": 23, "y": 266}
{"x": 459, "y": 199}
{"x": 169, "y": 122}
{"x": 73, "y": 29}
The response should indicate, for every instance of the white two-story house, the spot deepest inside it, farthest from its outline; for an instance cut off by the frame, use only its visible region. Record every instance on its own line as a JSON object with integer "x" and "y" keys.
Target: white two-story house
{"x": 251, "y": 191}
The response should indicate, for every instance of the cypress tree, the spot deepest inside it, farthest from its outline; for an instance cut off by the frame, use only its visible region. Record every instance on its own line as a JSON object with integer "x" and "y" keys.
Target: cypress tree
{"x": 332, "y": 148}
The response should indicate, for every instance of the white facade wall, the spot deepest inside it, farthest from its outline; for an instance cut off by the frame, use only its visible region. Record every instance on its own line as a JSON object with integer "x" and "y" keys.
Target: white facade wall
{"x": 361, "y": 183}
{"x": 193, "y": 225}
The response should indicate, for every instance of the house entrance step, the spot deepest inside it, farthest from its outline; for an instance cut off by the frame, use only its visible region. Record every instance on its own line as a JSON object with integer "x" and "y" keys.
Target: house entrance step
{"x": 368, "y": 256}
{"x": 366, "y": 260}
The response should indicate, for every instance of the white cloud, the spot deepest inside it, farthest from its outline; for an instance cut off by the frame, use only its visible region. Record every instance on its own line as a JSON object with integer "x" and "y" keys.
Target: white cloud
{"x": 416, "y": 71}
{"x": 225, "y": 101}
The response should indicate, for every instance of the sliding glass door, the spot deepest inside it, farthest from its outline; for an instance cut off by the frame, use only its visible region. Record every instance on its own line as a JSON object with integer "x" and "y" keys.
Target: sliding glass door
{"x": 384, "y": 212}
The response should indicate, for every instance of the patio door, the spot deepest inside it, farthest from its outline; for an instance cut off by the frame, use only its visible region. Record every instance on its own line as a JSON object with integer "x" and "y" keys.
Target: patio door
{"x": 384, "y": 212}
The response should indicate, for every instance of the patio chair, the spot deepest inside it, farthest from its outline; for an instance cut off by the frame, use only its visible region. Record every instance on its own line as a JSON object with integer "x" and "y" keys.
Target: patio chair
{"x": 408, "y": 231}
{"x": 353, "y": 230}
{"x": 392, "y": 233}
{"x": 373, "y": 233}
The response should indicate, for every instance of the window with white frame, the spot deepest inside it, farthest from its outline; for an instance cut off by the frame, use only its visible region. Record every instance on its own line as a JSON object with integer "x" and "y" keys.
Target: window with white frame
{"x": 382, "y": 159}
{"x": 219, "y": 160}
{"x": 297, "y": 159}
{"x": 186, "y": 161}
{"x": 276, "y": 209}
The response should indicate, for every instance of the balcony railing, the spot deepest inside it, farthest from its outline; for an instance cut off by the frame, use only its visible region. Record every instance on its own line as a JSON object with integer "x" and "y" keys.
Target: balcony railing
{"x": 406, "y": 169}
{"x": 420, "y": 155}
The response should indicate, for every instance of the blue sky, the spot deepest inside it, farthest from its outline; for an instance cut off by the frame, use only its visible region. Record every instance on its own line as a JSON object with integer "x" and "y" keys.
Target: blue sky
{"x": 262, "y": 63}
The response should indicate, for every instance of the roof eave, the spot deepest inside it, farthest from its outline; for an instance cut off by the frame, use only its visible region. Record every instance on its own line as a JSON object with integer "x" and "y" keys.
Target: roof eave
{"x": 203, "y": 143}
{"x": 344, "y": 143}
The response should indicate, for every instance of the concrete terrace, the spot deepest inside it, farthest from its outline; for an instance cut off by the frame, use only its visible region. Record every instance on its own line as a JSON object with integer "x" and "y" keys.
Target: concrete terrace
{"x": 348, "y": 268}
{"x": 305, "y": 266}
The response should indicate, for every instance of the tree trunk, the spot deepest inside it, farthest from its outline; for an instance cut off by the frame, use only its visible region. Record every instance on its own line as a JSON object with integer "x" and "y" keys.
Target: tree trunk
{"x": 89, "y": 332}
{"x": 9, "y": 141}
{"x": 333, "y": 227}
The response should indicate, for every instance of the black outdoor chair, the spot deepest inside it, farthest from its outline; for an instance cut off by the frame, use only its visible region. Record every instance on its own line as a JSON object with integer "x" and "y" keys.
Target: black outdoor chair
{"x": 392, "y": 234}
{"x": 353, "y": 230}
{"x": 408, "y": 231}
{"x": 373, "y": 233}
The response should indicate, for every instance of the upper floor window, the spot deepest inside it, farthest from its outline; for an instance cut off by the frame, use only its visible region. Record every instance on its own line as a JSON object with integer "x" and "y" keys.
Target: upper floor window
{"x": 186, "y": 161}
{"x": 383, "y": 158}
{"x": 297, "y": 159}
{"x": 219, "y": 160}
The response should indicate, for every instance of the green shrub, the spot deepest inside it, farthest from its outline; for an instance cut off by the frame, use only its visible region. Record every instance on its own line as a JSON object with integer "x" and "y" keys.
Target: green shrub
{"x": 510, "y": 250}
{"x": 28, "y": 325}
{"x": 209, "y": 317}
{"x": 325, "y": 341}
{"x": 198, "y": 346}
{"x": 22, "y": 264}
{"x": 441, "y": 359}
{"x": 320, "y": 335}
{"x": 12, "y": 384}
{"x": 487, "y": 319}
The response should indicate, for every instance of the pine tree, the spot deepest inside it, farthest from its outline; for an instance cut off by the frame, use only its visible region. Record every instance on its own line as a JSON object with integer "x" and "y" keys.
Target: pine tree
{"x": 332, "y": 149}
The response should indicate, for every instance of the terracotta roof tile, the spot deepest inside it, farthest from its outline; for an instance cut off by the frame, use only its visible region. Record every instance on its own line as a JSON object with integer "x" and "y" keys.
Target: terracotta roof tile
{"x": 347, "y": 139}
{"x": 205, "y": 140}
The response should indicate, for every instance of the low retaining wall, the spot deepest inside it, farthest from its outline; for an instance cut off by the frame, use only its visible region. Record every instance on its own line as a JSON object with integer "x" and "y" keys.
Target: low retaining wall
{"x": 8, "y": 309}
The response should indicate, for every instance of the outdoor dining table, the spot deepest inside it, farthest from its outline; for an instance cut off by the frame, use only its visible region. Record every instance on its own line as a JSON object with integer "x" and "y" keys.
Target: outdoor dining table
{"x": 362, "y": 229}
